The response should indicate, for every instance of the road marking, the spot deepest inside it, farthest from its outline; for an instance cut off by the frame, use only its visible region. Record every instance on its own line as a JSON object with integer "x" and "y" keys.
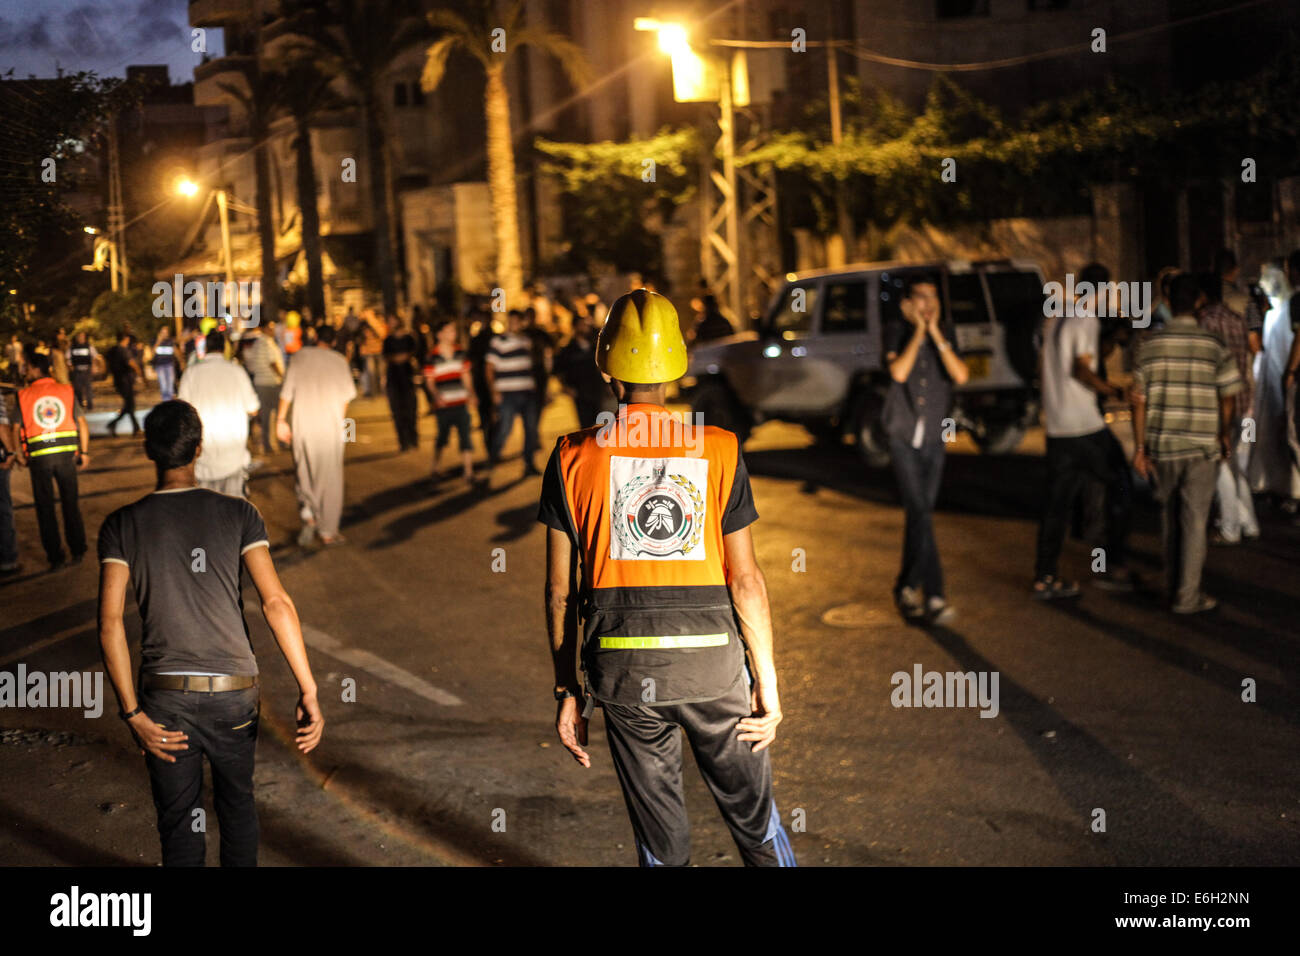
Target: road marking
{"x": 377, "y": 666}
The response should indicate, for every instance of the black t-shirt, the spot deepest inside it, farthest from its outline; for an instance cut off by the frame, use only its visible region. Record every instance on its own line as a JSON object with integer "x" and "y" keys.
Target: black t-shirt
{"x": 119, "y": 362}
{"x": 397, "y": 344}
{"x": 400, "y": 372}
{"x": 184, "y": 549}
{"x": 927, "y": 393}
{"x": 164, "y": 354}
{"x": 553, "y": 509}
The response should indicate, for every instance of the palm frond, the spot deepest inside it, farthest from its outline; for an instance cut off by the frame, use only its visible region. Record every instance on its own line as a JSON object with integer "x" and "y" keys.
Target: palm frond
{"x": 435, "y": 61}
{"x": 570, "y": 55}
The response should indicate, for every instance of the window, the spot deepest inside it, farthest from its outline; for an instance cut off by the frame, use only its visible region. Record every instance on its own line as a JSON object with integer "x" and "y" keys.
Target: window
{"x": 794, "y": 314}
{"x": 399, "y": 94}
{"x": 846, "y": 307}
{"x": 1048, "y": 4}
{"x": 951, "y": 9}
{"x": 417, "y": 94}
{"x": 966, "y": 295}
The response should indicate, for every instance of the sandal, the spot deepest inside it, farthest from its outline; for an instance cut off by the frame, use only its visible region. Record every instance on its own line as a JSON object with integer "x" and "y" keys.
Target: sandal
{"x": 1051, "y": 588}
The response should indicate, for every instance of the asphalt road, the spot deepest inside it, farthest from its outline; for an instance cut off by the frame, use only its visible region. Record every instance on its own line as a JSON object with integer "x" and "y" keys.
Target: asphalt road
{"x": 448, "y": 754}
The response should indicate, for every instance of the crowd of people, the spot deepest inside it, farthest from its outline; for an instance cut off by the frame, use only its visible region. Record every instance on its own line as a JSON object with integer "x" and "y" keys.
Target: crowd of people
{"x": 273, "y": 385}
{"x": 1213, "y": 402}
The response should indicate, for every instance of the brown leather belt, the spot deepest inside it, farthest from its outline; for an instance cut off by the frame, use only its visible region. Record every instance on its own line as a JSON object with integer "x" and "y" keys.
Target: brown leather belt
{"x": 197, "y": 682}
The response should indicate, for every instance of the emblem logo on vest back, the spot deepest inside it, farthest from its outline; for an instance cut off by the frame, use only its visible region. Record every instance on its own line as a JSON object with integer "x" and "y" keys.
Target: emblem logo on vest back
{"x": 657, "y": 508}
{"x": 49, "y": 412}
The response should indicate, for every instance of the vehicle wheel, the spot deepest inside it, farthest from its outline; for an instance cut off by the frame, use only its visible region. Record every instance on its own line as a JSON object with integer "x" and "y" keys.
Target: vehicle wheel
{"x": 999, "y": 438}
{"x": 719, "y": 407}
{"x": 873, "y": 446}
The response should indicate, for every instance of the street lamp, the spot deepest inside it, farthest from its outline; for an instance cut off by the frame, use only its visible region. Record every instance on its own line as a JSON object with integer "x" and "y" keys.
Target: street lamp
{"x": 189, "y": 188}
{"x": 225, "y": 202}
{"x": 106, "y": 254}
{"x": 709, "y": 79}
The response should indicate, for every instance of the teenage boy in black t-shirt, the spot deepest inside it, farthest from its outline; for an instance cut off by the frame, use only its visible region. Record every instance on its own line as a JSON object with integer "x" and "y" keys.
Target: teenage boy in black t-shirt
{"x": 181, "y": 548}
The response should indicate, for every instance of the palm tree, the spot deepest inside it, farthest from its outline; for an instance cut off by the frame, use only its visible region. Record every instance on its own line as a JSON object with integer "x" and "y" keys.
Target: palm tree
{"x": 304, "y": 92}
{"x": 258, "y": 97}
{"x": 361, "y": 39}
{"x": 473, "y": 33}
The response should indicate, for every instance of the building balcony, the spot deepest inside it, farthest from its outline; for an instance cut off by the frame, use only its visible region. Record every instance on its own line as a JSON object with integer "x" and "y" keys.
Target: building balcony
{"x": 234, "y": 65}
{"x": 215, "y": 13}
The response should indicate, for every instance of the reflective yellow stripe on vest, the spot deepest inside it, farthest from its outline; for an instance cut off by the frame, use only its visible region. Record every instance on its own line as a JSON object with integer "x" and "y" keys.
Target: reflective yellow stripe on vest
{"x": 669, "y": 641}
{"x": 49, "y": 436}
{"x": 51, "y": 443}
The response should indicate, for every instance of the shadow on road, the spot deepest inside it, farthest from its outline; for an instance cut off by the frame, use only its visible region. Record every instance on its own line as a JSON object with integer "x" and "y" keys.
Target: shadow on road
{"x": 1273, "y": 698}
{"x": 1087, "y": 774}
{"x": 66, "y": 848}
{"x": 1008, "y": 486}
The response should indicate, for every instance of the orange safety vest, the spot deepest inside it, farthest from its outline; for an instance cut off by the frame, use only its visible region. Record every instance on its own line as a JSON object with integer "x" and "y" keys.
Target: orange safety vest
{"x": 49, "y": 426}
{"x": 645, "y": 496}
{"x": 292, "y": 340}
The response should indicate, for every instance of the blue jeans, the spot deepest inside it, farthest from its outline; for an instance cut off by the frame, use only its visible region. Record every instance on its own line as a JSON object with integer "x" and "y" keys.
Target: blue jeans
{"x": 919, "y": 472}
{"x": 524, "y": 405}
{"x": 8, "y": 537}
{"x": 222, "y": 727}
{"x": 166, "y": 381}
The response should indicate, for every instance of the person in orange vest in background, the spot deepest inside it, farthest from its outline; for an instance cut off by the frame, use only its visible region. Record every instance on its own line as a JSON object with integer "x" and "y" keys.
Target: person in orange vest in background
{"x": 649, "y": 545}
{"x": 55, "y": 443}
{"x": 292, "y": 333}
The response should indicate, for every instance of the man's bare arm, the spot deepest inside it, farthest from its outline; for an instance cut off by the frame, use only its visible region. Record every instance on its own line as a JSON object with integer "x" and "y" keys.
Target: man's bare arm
{"x": 748, "y": 590}
{"x": 282, "y": 617}
{"x": 562, "y": 628}
{"x": 561, "y": 608}
{"x": 113, "y": 579}
{"x": 151, "y": 737}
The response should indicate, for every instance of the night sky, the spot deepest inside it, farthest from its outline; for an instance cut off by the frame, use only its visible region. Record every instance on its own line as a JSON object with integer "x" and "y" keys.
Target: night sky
{"x": 39, "y": 36}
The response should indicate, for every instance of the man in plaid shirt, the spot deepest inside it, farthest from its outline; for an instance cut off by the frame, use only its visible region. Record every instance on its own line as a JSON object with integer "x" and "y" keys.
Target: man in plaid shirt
{"x": 1232, "y": 490}
{"x": 1182, "y": 420}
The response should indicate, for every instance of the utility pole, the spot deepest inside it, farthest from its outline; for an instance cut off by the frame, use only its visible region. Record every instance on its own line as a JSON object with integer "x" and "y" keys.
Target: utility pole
{"x": 116, "y": 212}
{"x": 839, "y": 251}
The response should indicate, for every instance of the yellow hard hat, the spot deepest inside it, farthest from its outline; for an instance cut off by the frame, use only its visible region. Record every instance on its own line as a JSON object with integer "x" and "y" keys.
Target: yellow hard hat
{"x": 641, "y": 342}
{"x": 293, "y": 320}
{"x": 207, "y": 324}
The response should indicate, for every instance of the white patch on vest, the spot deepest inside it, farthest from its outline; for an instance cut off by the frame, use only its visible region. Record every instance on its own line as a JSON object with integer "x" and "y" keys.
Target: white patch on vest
{"x": 657, "y": 508}
{"x": 49, "y": 412}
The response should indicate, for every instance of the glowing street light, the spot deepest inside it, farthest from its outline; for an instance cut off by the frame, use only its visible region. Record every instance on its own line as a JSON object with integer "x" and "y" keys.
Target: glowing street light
{"x": 711, "y": 78}
{"x": 673, "y": 39}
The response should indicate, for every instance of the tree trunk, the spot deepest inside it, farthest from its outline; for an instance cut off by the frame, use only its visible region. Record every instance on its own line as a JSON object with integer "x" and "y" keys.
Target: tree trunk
{"x": 501, "y": 183}
{"x": 270, "y": 308}
{"x": 384, "y": 252}
{"x": 311, "y": 243}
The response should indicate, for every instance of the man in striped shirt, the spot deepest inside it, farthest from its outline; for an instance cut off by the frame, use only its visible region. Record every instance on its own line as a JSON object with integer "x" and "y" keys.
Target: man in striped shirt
{"x": 514, "y": 390}
{"x": 1183, "y": 388}
{"x": 447, "y": 375}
